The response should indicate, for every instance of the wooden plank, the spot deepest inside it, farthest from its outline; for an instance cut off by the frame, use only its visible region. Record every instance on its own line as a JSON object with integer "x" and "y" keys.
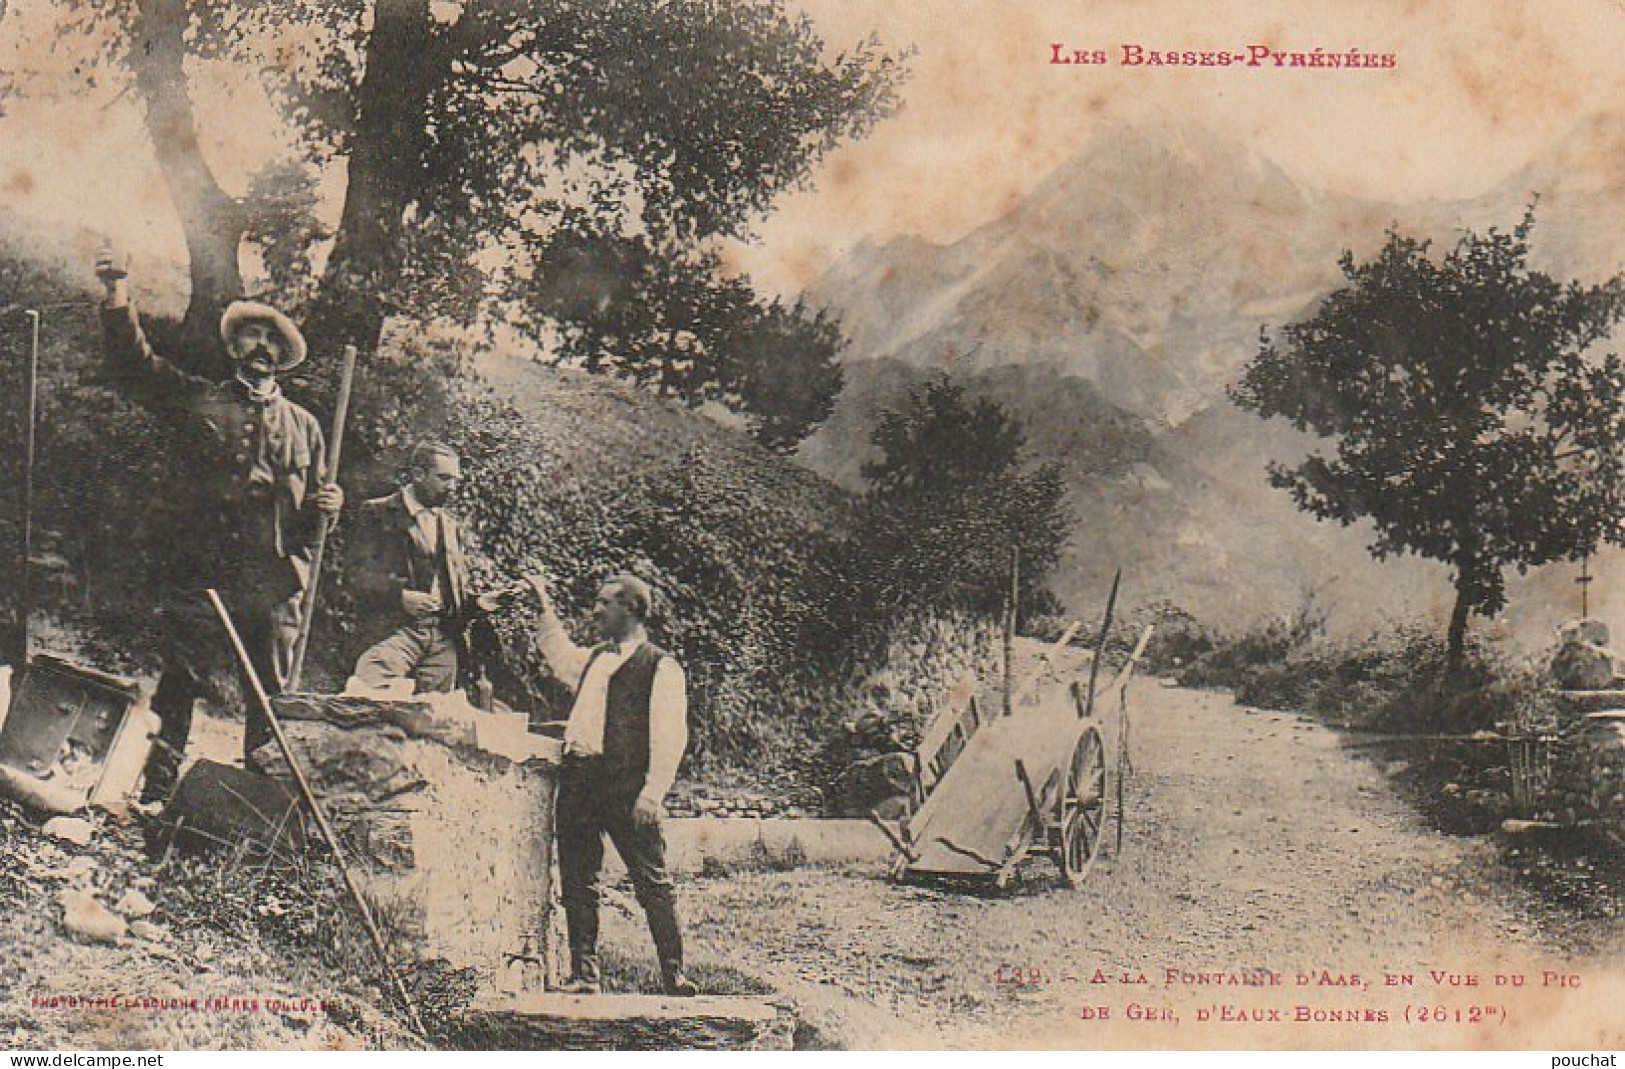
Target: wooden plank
{"x": 944, "y": 741}
{"x": 1127, "y": 671}
{"x": 1028, "y": 690}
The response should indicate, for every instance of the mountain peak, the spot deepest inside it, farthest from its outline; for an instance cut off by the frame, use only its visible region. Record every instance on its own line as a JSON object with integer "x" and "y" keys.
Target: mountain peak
{"x": 1590, "y": 158}
{"x": 1165, "y": 153}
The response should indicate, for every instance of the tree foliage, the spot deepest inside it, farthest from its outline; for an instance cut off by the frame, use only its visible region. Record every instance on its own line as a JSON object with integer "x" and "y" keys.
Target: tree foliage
{"x": 1473, "y": 418}
{"x": 949, "y": 498}
{"x": 473, "y": 137}
{"x": 668, "y": 321}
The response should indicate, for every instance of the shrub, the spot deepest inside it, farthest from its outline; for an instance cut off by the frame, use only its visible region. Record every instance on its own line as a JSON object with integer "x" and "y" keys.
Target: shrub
{"x": 1395, "y": 680}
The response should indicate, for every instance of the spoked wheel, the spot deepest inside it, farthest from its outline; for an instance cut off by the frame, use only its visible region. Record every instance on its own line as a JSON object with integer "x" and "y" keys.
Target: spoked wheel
{"x": 1083, "y": 807}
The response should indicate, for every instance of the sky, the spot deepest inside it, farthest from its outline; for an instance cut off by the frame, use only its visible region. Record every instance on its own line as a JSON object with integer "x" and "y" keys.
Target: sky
{"x": 1478, "y": 87}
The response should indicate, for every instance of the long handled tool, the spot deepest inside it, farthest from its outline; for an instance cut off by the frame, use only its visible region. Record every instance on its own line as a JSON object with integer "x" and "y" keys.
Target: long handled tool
{"x": 1100, "y": 647}
{"x": 25, "y": 535}
{"x": 307, "y": 603}
{"x": 316, "y": 810}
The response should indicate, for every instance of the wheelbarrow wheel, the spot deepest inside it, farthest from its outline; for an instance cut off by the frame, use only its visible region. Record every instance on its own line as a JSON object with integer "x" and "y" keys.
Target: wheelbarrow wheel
{"x": 1083, "y": 807}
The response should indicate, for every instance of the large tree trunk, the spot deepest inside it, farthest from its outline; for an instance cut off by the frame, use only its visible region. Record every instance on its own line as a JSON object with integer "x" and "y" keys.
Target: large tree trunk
{"x": 1456, "y": 641}
{"x": 213, "y": 221}
{"x": 406, "y": 63}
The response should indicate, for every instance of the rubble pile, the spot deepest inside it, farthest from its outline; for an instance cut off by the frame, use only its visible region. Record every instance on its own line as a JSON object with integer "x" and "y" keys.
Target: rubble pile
{"x": 1604, "y": 746}
{"x": 96, "y": 917}
{"x": 79, "y": 864}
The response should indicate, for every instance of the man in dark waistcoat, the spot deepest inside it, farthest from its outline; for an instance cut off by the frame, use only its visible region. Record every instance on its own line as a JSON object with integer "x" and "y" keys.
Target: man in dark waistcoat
{"x": 626, "y": 735}
{"x": 245, "y": 514}
{"x": 410, "y": 578}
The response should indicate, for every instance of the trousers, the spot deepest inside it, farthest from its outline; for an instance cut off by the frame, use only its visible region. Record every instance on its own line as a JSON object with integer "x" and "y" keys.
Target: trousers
{"x": 195, "y": 647}
{"x": 589, "y": 808}
{"x": 424, "y": 653}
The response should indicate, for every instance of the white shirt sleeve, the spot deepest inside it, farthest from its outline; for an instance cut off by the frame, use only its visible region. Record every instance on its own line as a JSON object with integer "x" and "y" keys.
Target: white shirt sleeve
{"x": 563, "y": 656}
{"x": 668, "y": 729}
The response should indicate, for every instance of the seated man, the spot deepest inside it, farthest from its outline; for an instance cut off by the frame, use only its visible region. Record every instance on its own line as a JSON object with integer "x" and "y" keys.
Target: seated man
{"x": 626, "y": 735}
{"x": 411, "y": 580}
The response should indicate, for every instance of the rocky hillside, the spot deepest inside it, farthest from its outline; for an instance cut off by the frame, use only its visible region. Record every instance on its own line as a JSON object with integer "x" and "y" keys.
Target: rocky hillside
{"x": 1112, "y": 307}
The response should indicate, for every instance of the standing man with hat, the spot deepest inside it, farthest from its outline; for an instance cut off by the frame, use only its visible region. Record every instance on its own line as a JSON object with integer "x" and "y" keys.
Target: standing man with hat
{"x": 245, "y": 512}
{"x": 623, "y": 743}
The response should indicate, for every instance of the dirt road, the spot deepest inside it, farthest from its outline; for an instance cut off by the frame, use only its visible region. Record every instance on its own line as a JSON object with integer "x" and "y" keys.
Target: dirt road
{"x": 1268, "y": 873}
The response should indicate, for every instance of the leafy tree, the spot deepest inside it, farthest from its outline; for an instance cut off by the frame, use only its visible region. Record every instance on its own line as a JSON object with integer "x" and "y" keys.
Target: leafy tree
{"x": 669, "y": 321}
{"x": 1474, "y": 421}
{"x": 470, "y": 133}
{"x": 949, "y": 498}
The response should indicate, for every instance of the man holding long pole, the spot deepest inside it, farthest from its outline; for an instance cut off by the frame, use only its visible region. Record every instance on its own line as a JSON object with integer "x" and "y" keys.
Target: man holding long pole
{"x": 246, "y": 511}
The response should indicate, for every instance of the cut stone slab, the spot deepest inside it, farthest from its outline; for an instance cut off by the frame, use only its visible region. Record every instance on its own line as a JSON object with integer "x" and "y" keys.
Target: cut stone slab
{"x": 81, "y": 869}
{"x": 149, "y": 931}
{"x": 551, "y": 1021}
{"x": 449, "y": 837}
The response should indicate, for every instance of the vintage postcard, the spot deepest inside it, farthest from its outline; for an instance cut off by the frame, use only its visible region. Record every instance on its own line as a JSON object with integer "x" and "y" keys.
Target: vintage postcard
{"x": 817, "y": 524}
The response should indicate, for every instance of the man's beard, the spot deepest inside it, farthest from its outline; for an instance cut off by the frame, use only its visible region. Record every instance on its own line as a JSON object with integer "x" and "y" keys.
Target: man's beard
{"x": 258, "y": 362}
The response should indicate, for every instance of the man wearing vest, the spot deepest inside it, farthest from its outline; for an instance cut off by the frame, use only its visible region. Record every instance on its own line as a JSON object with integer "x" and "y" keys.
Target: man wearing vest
{"x": 626, "y": 735}
{"x": 411, "y": 579}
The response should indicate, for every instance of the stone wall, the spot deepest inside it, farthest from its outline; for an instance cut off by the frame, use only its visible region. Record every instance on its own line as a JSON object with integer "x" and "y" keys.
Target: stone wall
{"x": 1600, "y": 779}
{"x": 447, "y": 814}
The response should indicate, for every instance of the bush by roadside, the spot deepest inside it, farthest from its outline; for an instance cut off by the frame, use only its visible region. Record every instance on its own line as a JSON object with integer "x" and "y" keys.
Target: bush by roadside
{"x": 1394, "y": 680}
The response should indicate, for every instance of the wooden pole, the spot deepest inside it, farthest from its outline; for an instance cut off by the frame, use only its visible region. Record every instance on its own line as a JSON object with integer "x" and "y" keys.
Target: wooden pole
{"x": 1584, "y": 583}
{"x": 307, "y": 603}
{"x": 25, "y": 571}
{"x": 1010, "y": 630}
{"x": 1100, "y": 647}
{"x": 309, "y": 795}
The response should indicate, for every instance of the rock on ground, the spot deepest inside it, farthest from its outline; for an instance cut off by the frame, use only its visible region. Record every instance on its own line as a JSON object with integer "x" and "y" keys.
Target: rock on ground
{"x": 134, "y": 905}
{"x": 75, "y": 830}
{"x": 86, "y": 917}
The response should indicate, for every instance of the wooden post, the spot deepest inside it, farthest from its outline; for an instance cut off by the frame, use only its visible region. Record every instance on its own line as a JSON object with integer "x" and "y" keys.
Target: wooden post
{"x": 1010, "y": 630}
{"x": 25, "y": 533}
{"x": 1088, "y": 707}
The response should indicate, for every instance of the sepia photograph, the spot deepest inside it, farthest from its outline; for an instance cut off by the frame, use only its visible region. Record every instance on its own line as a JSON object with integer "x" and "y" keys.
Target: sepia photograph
{"x": 829, "y": 525}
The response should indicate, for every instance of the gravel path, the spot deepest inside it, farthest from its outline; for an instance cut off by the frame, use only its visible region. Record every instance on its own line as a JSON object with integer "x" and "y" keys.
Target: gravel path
{"x": 1256, "y": 844}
